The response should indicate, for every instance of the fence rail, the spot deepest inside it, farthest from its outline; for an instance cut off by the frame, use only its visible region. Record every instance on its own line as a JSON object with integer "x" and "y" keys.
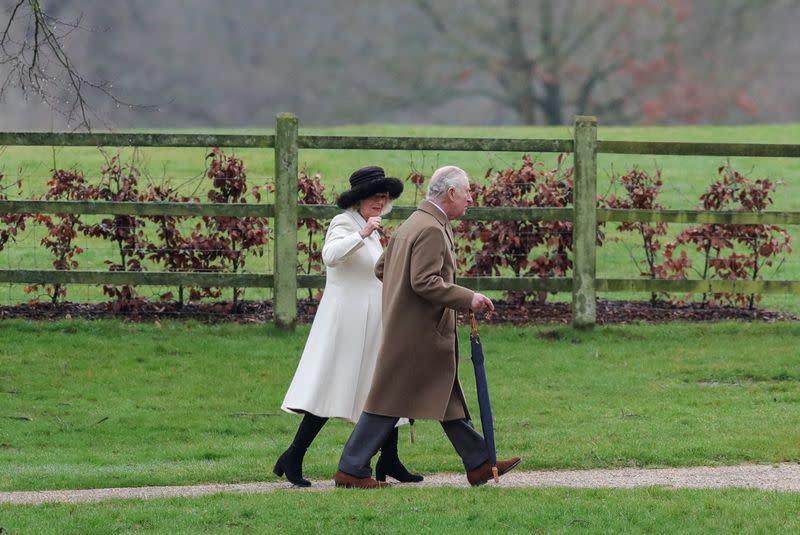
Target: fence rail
{"x": 139, "y": 278}
{"x": 62, "y": 139}
{"x": 326, "y": 211}
{"x": 187, "y": 209}
{"x": 135, "y": 139}
{"x": 671, "y": 148}
{"x": 698, "y": 216}
{"x": 285, "y": 212}
{"x": 265, "y": 280}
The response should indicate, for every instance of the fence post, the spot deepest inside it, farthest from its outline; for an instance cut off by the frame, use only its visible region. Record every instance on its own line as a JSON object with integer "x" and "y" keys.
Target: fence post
{"x": 285, "y": 304}
{"x": 584, "y": 230}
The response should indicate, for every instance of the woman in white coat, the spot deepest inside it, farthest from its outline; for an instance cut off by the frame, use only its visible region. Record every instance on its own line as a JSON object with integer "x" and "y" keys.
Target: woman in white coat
{"x": 335, "y": 372}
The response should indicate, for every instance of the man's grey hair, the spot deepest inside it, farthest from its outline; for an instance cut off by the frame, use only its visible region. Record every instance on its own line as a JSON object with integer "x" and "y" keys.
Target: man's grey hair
{"x": 443, "y": 179}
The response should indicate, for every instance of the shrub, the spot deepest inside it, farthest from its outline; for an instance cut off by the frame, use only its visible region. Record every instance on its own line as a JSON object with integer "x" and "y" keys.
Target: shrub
{"x": 120, "y": 183}
{"x": 640, "y": 192}
{"x": 11, "y": 224}
{"x": 527, "y": 248}
{"x": 228, "y": 241}
{"x": 174, "y": 249}
{"x": 731, "y": 251}
{"x": 62, "y": 229}
{"x": 309, "y": 253}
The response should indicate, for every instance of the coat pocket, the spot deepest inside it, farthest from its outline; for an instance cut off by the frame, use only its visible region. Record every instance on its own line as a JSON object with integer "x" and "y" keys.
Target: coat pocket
{"x": 446, "y": 323}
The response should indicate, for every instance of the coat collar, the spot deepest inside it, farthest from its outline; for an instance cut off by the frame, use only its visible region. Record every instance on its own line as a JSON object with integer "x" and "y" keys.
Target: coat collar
{"x": 357, "y": 217}
{"x": 429, "y": 208}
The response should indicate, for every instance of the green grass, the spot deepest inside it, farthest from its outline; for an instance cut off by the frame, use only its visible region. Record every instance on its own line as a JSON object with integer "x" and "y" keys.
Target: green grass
{"x": 685, "y": 179}
{"x": 118, "y": 404}
{"x": 110, "y": 403}
{"x": 408, "y": 510}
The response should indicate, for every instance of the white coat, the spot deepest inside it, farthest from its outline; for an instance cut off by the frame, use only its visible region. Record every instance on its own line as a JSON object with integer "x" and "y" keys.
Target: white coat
{"x": 335, "y": 372}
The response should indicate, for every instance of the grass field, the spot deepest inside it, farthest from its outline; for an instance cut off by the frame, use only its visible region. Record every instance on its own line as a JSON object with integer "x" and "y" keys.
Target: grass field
{"x": 87, "y": 404}
{"x": 435, "y": 511}
{"x": 109, "y": 403}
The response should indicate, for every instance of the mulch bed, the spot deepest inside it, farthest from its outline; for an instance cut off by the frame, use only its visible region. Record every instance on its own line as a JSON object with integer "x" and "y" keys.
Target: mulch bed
{"x": 608, "y": 312}
{"x": 621, "y": 312}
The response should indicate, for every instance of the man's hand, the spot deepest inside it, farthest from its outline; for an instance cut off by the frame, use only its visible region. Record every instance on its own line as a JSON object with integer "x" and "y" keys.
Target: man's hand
{"x": 480, "y": 303}
{"x": 373, "y": 224}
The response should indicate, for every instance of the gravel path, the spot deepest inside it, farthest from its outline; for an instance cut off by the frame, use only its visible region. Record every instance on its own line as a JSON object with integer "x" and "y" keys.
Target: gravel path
{"x": 778, "y": 477}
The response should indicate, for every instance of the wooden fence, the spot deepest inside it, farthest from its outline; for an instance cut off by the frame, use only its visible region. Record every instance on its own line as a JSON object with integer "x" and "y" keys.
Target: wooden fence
{"x": 285, "y": 211}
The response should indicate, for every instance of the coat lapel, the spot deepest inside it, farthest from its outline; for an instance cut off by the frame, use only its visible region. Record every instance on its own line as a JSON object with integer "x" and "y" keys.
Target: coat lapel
{"x": 449, "y": 231}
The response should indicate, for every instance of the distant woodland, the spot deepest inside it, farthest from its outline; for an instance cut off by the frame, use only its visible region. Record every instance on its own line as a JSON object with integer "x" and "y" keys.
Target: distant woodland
{"x": 190, "y": 63}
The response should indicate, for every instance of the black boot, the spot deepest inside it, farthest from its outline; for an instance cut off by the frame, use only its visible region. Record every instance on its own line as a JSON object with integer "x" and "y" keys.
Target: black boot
{"x": 389, "y": 463}
{"x": 291, "y": 462}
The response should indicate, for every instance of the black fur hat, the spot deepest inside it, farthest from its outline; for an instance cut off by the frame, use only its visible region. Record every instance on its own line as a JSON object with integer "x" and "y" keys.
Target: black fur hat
{"x": 366, "y": 182}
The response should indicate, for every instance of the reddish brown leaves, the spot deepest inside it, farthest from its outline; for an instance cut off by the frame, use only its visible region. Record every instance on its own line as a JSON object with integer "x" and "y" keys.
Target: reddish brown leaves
{"x": 527, "y": 248}
{"x": 732, "y": 251}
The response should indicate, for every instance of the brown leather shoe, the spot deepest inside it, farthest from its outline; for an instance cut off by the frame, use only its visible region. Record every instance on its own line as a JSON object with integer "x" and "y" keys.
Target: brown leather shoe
{"x": 483, "y": 473}
{"x": 351, "y": 482}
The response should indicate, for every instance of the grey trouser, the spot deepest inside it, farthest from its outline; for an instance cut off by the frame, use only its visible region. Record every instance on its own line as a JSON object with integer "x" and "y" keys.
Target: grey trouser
{"x": 371, "y": 432}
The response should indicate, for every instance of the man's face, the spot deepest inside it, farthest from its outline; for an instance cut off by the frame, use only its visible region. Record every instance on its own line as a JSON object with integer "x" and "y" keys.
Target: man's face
{"x": 459, "y": 198}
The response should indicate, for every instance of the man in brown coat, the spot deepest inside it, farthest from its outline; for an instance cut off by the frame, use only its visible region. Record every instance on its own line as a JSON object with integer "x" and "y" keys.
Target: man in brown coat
{"x": 416, "y": 375}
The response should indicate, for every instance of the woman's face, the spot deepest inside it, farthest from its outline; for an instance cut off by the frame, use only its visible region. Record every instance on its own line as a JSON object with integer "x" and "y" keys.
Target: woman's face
{"x": 373, "y": 206}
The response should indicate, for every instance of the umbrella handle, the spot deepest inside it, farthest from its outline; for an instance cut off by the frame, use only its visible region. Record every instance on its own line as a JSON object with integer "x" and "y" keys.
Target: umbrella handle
{"x": 495, "y": 474}
{"x": 473, "y": 323}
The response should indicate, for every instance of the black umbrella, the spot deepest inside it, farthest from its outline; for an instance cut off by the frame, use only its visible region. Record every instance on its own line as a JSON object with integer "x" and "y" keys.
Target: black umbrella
{"x": 487, "y": 422}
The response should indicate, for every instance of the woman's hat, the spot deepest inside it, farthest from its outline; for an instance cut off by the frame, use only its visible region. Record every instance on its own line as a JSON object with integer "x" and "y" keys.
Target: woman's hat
{"x": 366, "y": 182}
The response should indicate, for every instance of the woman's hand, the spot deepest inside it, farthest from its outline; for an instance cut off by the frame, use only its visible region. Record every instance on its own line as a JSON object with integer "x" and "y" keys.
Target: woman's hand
{"x": 373, "y": 224}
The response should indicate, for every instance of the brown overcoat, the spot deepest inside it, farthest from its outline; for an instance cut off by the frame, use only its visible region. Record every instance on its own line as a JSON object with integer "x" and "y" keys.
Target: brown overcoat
{"x": 416, "y": 375}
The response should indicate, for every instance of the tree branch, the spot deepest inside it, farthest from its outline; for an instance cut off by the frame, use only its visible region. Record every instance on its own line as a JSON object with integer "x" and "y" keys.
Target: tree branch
{"x": 42, "y": 65}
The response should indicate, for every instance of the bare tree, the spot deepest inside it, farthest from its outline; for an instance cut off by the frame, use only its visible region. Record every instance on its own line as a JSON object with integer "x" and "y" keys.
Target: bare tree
{"x": 356, "y": 61}
{"x": 35, "y": 63}
{"x": 622, "y": 60}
